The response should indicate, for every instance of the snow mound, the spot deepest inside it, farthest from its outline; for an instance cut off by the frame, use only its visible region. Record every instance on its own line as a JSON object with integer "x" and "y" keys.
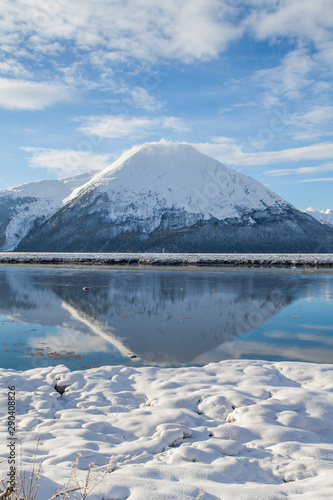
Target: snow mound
{"x": 235, "y": 429}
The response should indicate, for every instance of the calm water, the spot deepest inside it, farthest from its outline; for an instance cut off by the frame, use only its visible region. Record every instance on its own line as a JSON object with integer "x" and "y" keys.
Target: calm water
{"x": 162, "y": 317}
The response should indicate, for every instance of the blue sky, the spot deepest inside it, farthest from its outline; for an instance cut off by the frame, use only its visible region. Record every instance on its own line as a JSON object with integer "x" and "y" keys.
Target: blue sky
{"x": 247, "y": 82}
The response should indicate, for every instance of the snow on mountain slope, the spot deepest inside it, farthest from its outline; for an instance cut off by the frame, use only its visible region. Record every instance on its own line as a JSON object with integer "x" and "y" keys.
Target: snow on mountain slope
{"x": 170, "y": 197}
{"x": 23, "y": 206}
{"x": 169, "y": 176}
{"x": 324, "y": 216}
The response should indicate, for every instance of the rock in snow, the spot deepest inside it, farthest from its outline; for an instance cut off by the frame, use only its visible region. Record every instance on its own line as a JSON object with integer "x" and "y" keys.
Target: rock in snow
{"x": 170, "y": 197}
{"x": 238, "y": 429}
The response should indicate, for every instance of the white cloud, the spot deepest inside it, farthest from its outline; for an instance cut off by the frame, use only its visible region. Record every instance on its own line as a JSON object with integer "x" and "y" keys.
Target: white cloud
{"x": 173, "y": 123}
{"x": 141, "y": 29}
{"x": 320, "y": 151}
{"x": 317, "y": 115}
{"x": 308, "y": 26}
{"x": 322, "y": 179}
{"x": 317, "y": 327}
{"x": 12, "y": 67}
{"x": 148, "y": 30}
{"x": 28, "y": 95}
{"x": 66, "y": 339}
{"x": 104, "y": 34}
{"x": 114, "y": 127}
{"x": 300, "y": 171}
{"x": 288, "y": 79}
{"x": 312, "y": 124}
{"x": 292, "y": 18}
{"x": 228, "y": 151}
{"x": 223, "y": 149}
{"x": 140, "y": 98}
{"x": 66, "y": 161}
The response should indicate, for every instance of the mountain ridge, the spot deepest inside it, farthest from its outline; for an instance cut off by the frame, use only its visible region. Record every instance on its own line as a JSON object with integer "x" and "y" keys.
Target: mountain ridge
{"x": 324, "y": 216}
{"x": 170, "y": 197}
{"x": 29, "y": 204}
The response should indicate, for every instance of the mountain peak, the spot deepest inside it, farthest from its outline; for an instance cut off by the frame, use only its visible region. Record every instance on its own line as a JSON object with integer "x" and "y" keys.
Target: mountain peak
{"x": 158, "y": 157}
{"x": 176, "y": 176}
{"x": 161, "y": 148}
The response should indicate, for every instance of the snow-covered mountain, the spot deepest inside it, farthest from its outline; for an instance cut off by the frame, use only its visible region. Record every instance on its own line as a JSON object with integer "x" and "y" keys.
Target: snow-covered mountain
{"x": 170, "y": 197}
{"x": 324, "y": 216}
{"x": 147, "y": 181}
{"x": 28, "y": 205}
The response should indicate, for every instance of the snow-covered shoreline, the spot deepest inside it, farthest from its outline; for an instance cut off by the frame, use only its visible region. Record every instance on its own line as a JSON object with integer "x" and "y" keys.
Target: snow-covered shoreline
{"x": 236, "y": 429}
{"x": 168, "y": 259}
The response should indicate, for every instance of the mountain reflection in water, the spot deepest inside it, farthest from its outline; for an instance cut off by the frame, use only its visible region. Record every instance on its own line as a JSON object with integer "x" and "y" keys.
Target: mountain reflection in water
{"x": 165, "y": 318}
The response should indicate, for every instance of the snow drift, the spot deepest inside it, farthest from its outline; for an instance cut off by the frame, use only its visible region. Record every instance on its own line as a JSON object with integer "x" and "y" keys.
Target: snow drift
{"x": 234, "y": 430}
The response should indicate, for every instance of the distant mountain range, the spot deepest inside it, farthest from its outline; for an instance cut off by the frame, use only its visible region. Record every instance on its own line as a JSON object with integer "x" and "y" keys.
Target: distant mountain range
{"x": 324, "y": 216}
{"x": 29, "y": 205}
{"x": 157, "y": 197}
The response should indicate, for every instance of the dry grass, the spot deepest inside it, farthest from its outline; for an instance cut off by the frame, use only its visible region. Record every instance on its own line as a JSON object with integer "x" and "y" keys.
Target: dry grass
{"x": 27, "y": 482}
{"x": 201, "y": 494}
{"x": 85, "y": 488}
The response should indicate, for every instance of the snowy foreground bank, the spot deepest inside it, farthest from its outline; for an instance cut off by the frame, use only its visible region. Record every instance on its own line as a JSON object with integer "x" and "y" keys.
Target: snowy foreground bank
{"x": 231, "y": 430}
{"x": 169, "y": 259}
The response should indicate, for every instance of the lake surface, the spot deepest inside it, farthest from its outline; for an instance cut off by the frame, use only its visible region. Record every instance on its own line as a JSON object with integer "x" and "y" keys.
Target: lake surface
{"x": 84, "y": 317}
